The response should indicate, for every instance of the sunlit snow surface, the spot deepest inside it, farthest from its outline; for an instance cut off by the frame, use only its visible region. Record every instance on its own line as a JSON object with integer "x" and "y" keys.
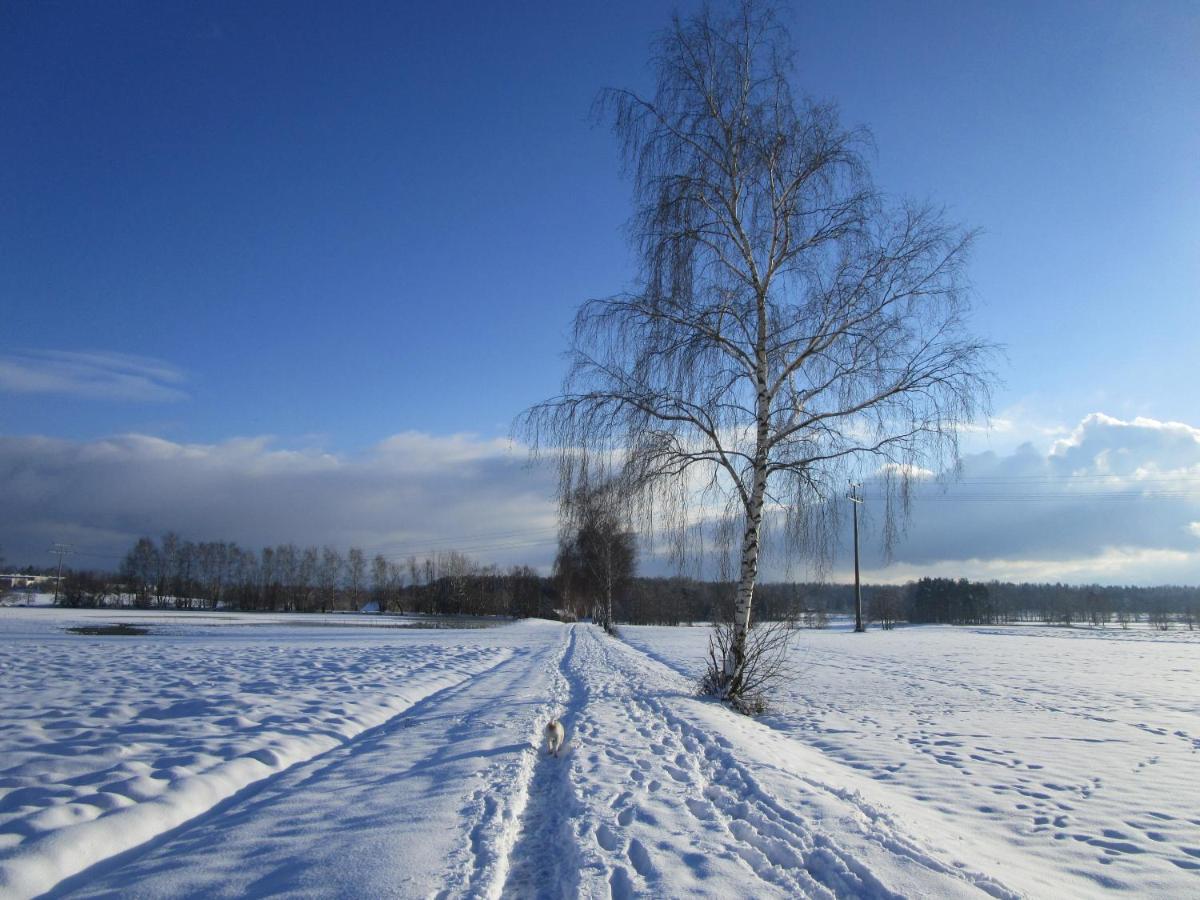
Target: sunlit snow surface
{"x": 1064, "y": 760}
{"x": 242, "y": 755}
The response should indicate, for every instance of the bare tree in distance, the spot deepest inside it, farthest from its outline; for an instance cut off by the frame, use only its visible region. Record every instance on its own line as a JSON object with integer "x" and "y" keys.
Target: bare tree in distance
{"x": 356, "y": 572}
{"x": 791, "y": 327}
{"x": 379, "y": 581}
{"x": 329, "y": 575}
{"x": 596, "y": 540}
{"x": 886, "y": 607}
{"x": 568, "y": 574}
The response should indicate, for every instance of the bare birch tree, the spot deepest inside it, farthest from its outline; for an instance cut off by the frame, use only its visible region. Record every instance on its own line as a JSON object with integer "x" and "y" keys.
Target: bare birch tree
{"x": 790, "y": 326}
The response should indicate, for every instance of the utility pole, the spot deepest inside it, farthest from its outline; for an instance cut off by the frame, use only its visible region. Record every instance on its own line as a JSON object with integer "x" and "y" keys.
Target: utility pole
{"x": 62, "y": 550}
{"x": 854, "y": 501}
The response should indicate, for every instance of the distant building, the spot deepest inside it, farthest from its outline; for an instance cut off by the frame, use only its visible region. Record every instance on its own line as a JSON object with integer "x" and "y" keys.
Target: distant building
{"x": 26, "y": 582}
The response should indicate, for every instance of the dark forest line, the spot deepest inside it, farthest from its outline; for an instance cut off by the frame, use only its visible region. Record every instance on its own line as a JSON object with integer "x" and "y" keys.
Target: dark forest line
{"x": 178, "y": 574}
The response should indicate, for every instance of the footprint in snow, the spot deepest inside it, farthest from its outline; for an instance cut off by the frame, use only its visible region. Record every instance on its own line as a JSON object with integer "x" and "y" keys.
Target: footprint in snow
{"x": 640, "y": 859}
{"x": 607, "y": 838}
{"x": 620, "y": 884}
{"x": 701, "y": 809}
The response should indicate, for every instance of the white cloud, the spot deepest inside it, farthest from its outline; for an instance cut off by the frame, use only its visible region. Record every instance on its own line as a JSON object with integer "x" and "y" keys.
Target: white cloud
{"x": 96, "y": 375}
{"x": 915, "y": 473}
{"x": 1113, "y": 501}
{"x": 1108, "y": 446}
{"x": 414, "y": 451}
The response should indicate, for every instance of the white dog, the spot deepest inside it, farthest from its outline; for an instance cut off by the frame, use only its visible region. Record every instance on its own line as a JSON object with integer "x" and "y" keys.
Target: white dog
{"x": 554, "y": 736}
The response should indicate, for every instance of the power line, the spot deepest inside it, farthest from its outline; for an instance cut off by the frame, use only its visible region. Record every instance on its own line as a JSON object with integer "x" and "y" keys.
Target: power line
{"x": 1045, "y": 496}
{"x": 1078, "y": 476}
{"x": 1073, "y": 487}
{"x": 99, "y": 555}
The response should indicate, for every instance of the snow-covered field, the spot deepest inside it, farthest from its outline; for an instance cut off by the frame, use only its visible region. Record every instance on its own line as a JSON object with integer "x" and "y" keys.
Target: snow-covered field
{"x": 228, "y": 755}
{"x": 26, "y": 598}
{"x": 1065, "y": 761}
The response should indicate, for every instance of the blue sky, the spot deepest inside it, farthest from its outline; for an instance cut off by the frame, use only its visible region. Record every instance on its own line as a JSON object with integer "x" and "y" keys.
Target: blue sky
{"x": 309, "y": 228}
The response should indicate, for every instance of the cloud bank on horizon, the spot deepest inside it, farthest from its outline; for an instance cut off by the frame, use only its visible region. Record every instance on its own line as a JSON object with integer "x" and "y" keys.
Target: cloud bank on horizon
{"x": 410, "y": 494}
{"x": 1113, "y": 501}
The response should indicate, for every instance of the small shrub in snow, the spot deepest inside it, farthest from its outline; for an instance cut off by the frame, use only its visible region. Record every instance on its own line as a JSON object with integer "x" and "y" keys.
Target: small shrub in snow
{"x": 768, "y": 645}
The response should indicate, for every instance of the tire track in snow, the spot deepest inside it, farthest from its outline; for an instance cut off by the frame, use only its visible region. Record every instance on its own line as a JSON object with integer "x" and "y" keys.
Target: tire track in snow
{"x": 73, "y": 857}
{"x": 335, "y": 827}
{"x": 545, "y": 860}
{"x": 500, "y": 807}
{"x": 779, "y": 850}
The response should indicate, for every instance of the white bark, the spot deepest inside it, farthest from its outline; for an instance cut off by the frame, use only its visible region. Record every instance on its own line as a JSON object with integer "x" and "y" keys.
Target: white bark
{"x": 748, "y": 576}
{"x": 736, "y": 655}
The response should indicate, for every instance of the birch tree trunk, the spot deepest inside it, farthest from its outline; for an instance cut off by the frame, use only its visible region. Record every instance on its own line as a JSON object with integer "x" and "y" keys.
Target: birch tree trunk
{"x": 735, "y": 658}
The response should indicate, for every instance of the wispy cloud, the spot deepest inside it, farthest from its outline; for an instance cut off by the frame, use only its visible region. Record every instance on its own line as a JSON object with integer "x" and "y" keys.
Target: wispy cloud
{"x": 1010, "y": 427}
{"x": 97, "y": 375}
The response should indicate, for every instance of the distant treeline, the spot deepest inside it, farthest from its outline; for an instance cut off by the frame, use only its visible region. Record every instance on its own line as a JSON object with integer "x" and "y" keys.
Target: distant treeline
{"x": 994, "y": 602}
{"x": 287, "y": 578}
{"x": 928, "y": 600}
{"x": 175, "y": 573}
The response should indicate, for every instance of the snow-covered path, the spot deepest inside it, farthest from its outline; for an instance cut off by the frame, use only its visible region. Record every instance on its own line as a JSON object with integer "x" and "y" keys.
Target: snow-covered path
{"x": 359, "y": 761}
{"x": 677, "y": 797}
